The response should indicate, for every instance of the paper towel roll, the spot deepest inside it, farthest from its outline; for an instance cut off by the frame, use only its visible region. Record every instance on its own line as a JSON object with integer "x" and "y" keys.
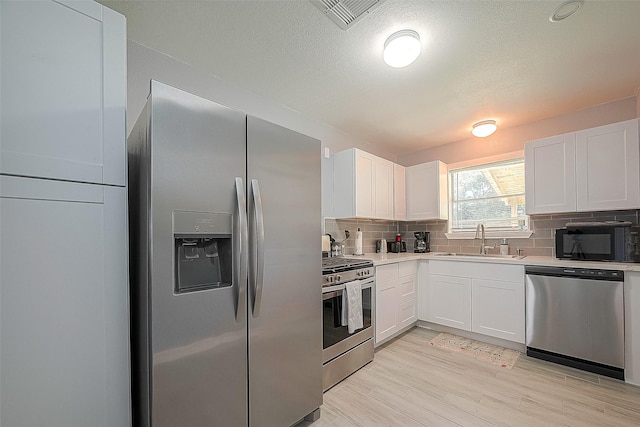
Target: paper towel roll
{"x": 358, "y": 242}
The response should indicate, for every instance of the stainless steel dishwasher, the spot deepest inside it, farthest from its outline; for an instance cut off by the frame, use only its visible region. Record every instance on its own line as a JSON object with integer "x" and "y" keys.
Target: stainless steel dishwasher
{"x": 575, "y": 317}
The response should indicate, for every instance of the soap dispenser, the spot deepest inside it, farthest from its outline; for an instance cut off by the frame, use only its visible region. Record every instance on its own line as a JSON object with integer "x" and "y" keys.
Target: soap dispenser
{"x": 504, "y": 247}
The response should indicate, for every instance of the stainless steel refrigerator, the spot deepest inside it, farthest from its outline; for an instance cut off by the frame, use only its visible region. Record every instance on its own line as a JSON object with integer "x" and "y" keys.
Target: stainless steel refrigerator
{"x": 226, "y": 272}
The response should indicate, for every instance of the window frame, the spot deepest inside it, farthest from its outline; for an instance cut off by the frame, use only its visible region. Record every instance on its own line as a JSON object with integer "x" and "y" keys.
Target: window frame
{"x": 475, "y": 164}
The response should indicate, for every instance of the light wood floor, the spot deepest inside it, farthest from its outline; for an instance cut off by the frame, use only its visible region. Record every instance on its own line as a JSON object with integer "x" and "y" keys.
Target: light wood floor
{"x": 411, "y": 383}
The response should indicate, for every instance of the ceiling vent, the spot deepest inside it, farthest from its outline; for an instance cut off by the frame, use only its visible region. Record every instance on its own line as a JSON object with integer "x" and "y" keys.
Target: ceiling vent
{"x": 346, "y": 13}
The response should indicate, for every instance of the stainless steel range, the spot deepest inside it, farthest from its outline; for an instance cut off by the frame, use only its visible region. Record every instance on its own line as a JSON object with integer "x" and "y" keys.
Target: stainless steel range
{"x": 344, "y": 353}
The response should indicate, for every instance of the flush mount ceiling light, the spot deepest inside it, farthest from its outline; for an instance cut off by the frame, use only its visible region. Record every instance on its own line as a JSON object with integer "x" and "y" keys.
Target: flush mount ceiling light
{"x": 402, "y": 48}
{"x": 565, "y": 10}
{"x": 484, "y": 128}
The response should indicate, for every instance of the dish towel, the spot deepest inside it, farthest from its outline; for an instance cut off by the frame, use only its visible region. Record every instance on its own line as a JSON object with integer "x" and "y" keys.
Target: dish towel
{"x": 352, "y": 306}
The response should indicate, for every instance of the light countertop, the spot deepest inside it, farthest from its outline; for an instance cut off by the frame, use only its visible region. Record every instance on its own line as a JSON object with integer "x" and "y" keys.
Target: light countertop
{"x": 389, "y": 258}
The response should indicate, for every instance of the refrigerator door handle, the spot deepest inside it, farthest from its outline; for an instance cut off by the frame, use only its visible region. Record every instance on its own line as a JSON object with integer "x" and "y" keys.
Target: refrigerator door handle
{"x": 240, "y": 255}
{"x": 258, "y": 275}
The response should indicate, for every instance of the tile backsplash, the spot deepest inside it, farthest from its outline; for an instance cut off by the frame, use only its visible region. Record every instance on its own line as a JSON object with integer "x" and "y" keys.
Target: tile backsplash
{"x": 541, "y": 242}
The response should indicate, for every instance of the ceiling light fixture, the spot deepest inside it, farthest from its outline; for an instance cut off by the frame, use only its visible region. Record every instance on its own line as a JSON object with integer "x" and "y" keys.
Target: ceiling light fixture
{"x": 565, "y": 10}
{"x": 484, "y": 128}
{"x": 402, "y": 48}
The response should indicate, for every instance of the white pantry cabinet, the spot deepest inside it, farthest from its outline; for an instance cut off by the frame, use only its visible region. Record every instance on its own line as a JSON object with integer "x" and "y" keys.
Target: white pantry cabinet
{"x": 594, "y": 169}
{"x": 427, "y": 191}
{"x": 62, "y": 109}
{"x": 396, "y": 299}
{"x": 399, "y": 193}
{"x": 363, "y": 185}
{"x": 485, "y": 298}
{"x": 64, "y": 279}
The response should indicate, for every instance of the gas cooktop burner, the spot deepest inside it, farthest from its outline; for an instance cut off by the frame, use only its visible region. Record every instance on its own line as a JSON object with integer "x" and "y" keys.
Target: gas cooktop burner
{"x": 339, "y": 264}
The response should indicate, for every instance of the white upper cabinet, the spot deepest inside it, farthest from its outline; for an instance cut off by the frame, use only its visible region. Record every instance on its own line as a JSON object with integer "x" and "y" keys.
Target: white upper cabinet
{"x": 363, "y": 185}
{"x": 595, "y": 169}
{"x": 550, "y": 179}
{"x": 62, "y": 109}
{"x": 399, "y": 193}
{"x": 427, "y": 191}
{"x": 608, "y": 167}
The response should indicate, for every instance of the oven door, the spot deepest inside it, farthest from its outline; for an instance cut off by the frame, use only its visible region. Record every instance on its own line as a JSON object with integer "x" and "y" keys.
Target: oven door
{"x": 336, "y": 338}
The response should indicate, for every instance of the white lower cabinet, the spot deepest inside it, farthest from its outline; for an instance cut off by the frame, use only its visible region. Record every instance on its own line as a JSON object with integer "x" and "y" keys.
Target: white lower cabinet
{"x": 396, "y": 299}
{"x": 450, "y": 301}
{"x": 480, "y": 297}
{"x": 498, "y": 309}
{"x": 386, "y": 310}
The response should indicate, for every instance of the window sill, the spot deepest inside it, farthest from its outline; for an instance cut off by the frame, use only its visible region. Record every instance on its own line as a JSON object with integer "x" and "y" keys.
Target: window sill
{"x": 465, "y": 235}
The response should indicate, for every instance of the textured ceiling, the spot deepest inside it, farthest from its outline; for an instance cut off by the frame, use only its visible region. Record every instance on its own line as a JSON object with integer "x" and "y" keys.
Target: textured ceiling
{"x": 499, "y": 59}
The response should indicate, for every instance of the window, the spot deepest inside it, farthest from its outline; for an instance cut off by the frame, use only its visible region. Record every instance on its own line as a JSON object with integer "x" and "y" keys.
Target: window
{"x": 491, "y": 194}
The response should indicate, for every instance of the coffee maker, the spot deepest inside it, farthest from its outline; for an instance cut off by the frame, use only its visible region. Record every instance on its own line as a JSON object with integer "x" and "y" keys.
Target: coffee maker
{"x": 421, "y": 244}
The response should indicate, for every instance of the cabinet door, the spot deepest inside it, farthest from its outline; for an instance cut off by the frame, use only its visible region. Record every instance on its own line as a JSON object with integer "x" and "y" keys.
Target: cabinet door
{"x": 364, "y": 194}
{"x": 632, "y": 327}
{"x": 422, "y": 287}
{"x": 399, "y": 193}
{"x": 550, "y": 175}
{"x": 407, "y": 295}
{"x": 449, "y": 301}
{"x": 427, "y": 191}
{"x": 608, "y": 167}
{"x": 498, "y": 309}
{"x": 407, "y": 314}
{"x": 386, "y": 310}
{"x": 406, "y": 289}
{"x": 64, "y": 326}
{"x": 383, "y": 187}
{"x": 62, "y": 110}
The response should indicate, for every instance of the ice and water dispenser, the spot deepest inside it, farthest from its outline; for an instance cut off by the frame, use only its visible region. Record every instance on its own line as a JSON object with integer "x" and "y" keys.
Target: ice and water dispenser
{"x": 202, "y": 250}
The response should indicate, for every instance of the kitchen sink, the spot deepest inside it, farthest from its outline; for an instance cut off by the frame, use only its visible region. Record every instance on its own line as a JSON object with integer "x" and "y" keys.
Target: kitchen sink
{"x": 483, "y": 255}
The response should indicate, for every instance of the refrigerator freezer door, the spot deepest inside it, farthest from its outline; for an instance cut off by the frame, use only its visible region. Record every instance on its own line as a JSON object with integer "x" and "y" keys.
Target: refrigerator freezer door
{"x": 285, "y": 335}
{"x": 198, "y": 348}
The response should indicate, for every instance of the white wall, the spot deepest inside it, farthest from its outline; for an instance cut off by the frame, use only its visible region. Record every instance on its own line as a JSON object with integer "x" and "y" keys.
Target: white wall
{"x": 145, "y": 64}
{"x": 513, "y": 139}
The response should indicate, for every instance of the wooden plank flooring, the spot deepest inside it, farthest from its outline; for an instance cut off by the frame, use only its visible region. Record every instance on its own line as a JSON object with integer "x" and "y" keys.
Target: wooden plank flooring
{"x": 412, "y": 383}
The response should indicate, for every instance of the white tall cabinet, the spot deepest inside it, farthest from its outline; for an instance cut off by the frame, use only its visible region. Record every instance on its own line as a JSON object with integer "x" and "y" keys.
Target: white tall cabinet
{"x": 64, "y": 314}
{"x": 363, "y": 185}
{"x": 594, "y": 169}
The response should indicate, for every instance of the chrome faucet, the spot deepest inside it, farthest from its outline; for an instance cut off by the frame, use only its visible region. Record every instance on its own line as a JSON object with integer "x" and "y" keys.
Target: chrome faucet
{"x": 483, "y": 245}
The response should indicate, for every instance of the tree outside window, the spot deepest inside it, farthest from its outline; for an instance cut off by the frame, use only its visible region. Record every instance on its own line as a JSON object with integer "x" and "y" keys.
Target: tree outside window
{"x": 491, "y": 194}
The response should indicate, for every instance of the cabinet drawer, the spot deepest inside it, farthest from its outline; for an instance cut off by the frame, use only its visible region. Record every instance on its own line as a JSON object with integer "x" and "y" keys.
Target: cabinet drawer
{"x": 407, "y": 268}
{"x": 388, "y": 272}
{"x": 407, "y": 288}
{"x": 407, "y": 313}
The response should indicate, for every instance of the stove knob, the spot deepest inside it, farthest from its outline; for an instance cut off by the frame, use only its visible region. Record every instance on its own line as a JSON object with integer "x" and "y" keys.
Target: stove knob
{"x": 330, "y": 279}
{"x": 338, "y": 277}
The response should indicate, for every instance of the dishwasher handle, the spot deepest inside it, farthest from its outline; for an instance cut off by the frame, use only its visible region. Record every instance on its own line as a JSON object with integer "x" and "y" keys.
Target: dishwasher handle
{"x": 577, "y": 272}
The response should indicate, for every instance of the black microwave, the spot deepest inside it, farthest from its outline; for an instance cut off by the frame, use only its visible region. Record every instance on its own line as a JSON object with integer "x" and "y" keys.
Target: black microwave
{"x": 598, "y": 242}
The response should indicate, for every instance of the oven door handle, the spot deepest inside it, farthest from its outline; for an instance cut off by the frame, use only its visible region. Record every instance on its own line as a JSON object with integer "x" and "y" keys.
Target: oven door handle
{"x": 332, "y": 291}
